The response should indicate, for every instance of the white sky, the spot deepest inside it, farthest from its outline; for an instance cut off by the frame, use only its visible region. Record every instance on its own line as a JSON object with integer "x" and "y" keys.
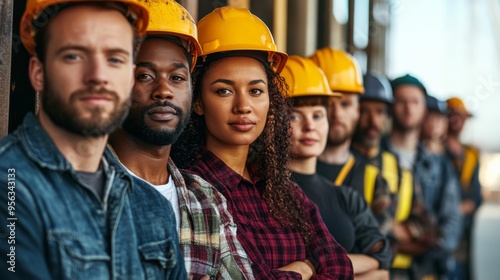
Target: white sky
{"x": 453, "y": 47}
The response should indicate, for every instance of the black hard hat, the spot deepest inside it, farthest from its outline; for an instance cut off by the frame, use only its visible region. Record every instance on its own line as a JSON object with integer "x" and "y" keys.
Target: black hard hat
{"x": 436, "y": 105}
{"x": 377, "y": 87}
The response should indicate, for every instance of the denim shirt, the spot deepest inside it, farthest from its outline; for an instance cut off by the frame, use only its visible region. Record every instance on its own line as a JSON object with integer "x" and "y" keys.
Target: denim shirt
{"x": 61, "y": 229}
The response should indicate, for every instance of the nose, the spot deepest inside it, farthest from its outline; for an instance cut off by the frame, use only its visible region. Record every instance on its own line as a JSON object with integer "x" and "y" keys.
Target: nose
{"x": 335, "y": 111}
{"x": 242, "y": 104}
{"x": 162, "y": 90}
{"x": 308, "y": 125}
{"x": 97, "y": 73}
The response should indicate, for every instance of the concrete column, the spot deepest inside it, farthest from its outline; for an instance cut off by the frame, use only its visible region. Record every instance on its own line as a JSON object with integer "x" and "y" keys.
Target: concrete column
{"x": 302, "y": 27}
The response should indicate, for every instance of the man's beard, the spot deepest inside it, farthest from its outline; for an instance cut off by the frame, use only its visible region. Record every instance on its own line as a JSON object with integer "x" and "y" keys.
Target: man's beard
{"x": 339, "y": 138}
{"x": 66, "y": 115}
{"x": 157, "y": 137}
{"x": 361, "y": 138}
{"x": 398, "y": 126}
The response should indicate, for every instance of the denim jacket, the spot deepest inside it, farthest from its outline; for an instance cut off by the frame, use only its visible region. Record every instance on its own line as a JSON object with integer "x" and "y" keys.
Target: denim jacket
{"x": 61, "y": 229}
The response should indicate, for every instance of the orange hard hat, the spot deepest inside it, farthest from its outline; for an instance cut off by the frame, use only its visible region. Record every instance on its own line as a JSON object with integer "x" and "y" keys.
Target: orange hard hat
{"x": 456, "y": 104}
{"x": 235, "y": 29}
{"x": 341, "y": 69}
{"x": 304, "y": 78}
{"x": 34, "y": 15}
{"x": 167, "y": 17}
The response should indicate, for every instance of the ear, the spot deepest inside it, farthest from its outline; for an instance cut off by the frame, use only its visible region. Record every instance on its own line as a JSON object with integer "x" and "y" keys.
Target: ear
{"x": 198, "y": 107}
{"x": 36, "y": 74}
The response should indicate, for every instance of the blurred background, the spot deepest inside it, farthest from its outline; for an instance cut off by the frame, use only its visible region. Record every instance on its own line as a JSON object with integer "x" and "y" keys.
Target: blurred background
{"x": 452, "y": 46}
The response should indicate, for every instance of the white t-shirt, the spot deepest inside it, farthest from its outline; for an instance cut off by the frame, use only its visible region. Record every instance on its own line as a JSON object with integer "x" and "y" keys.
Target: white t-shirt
{"x": 169, "y": 192}
{"x": 406, "y": 158}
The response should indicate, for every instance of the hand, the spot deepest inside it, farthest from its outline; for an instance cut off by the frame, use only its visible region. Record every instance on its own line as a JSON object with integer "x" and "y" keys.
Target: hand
{"x": 381, "y": 204}
{"x": 305, "y": 269}
{"x": 467, "y": 206}
{"x": 205, "y": 277}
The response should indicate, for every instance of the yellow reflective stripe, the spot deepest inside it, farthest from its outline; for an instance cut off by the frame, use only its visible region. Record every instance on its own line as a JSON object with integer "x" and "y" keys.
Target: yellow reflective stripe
{"x": 390, "y": 171}
{"x": 470, "y": 161}
{"x": 369, "y": 188}
{"x": 344, "y": 171}
{"x": 402, "y": 261}
{"x": 404, "y": 197}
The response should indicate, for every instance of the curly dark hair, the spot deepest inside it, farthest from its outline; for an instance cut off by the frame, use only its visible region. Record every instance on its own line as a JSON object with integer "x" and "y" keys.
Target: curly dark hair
{"x": 268, "y": 155}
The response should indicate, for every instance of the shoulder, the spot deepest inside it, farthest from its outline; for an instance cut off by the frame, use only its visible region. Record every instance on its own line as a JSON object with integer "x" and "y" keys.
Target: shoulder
{"x": 472, "y": 149}
{"x": 10, "y": 145}
{"x": 349, "y": 197}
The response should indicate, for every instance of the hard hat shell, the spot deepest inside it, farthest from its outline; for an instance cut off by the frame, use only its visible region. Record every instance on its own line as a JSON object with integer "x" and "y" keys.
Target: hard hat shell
{"x": 341, "y": 69}
{"x": 34, "y": 9}
{"x": 408, "y": 80}
{"x": 235, "y": 29}
{"x": 436, "y": 105}
{"x": 377, "y": 87}
{"x": 167, "y": 17}
{"x": 304, "y": 78}
{"x": 456, "y": 104}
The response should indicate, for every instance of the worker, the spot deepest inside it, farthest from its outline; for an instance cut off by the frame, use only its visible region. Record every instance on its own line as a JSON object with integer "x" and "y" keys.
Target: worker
{"x": 161, "y": 107}
{"x": 343, "y": 209}
{"x": 337, "y": 163}
{"x": 432, "y": 177}
{"x": 466, "y": 164}
{"x": 74, "y": 211}
{"x": 237, "y": 140}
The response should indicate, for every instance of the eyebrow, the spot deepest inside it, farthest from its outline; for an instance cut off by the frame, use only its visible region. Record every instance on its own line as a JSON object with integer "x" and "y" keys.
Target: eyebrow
{"x": 229, "y": 82}
{"x": 84, "y": 49}
{"x": 151, "y": 65}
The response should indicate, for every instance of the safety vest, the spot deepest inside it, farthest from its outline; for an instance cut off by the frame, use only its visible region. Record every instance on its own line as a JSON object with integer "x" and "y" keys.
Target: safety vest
{"x": 345, "y": 170}
{"x": 390, "y": 173}
{"x": 403, "y": 210}
{"x": 470, "y": 162}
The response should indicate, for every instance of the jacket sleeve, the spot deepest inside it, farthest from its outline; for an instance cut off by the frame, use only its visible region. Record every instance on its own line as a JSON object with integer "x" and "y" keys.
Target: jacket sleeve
{"x": 365, "y": 226}
{"x": 328, "y": 257}
{"x": 22, "y": 240}
{"x": 449, "y": 217}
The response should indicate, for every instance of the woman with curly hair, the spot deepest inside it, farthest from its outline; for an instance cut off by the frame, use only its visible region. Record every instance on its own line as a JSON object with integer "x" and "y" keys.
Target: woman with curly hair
{"x": 238, "y": 141}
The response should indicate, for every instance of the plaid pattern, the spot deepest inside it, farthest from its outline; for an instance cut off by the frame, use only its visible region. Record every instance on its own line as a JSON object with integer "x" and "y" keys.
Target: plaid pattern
{"x": 268, "y": 244}
{"x": 207, "y": 231}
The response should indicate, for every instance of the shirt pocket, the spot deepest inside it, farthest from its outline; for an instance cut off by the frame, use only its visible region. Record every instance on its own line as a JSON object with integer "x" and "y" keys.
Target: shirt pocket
{"x": 158, "y": 258}
{"x": 80, "y": 256}
{"x": 202, "y": 259}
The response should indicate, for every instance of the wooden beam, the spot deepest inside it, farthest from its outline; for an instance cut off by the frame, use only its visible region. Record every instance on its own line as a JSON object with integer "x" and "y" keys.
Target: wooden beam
{"x": 6, "y": 12}
{"x": 280, "y": 13}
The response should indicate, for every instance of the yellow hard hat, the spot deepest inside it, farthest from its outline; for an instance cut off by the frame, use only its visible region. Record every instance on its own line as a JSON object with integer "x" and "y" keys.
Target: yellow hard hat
{"x": 34, "y": 12}
{"x": 456, "y": 104}
{"x": 167, "y": 17}
{"x": 234, "y": 29}
{"x": 341, "y": 69}
{"x": 304, "y": 78}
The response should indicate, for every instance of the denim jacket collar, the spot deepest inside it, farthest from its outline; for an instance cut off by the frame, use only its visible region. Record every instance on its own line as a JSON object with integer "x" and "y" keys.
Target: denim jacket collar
{"x": 39, "y": 146}
{"x": 42, "y": 149}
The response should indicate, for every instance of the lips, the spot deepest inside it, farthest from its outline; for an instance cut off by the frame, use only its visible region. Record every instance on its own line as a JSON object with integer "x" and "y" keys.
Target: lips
{"x": 242, "y": 125}
{"x": 308, "y": 141}
{"x": 162, "y": 113}
{"x": 96, "y": 99}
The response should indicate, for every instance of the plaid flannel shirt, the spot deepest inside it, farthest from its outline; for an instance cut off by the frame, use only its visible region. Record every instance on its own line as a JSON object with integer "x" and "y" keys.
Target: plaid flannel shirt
{"x": 268, "y": 244}
{"x": 207, "y": 231}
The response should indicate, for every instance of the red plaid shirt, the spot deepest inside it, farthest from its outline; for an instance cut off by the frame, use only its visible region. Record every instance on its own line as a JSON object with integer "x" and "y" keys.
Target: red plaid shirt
{"x": 268, "y": 244}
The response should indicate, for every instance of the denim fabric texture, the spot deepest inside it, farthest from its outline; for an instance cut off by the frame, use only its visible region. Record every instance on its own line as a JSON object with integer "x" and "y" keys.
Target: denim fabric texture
{"x": 64, "y": 230}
